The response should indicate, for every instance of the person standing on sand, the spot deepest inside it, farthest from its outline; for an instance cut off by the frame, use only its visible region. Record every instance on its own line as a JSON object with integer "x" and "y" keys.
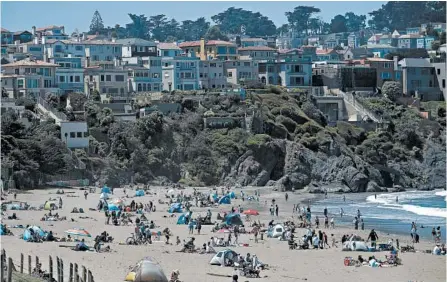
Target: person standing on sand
{"x": 397, "y": 199}
{"x": 325, "y": 243}
{"x": 375, "y": 196}
{"x": 276, "y": 210}
{"x": 358, "y": 213}
{"x": 325, "y": 211}
{"x": 255, "y": 233}
{"x": 85, "y": 194}
{"x": 287, "y": 197}
{"x": 60, "y": 202}
{"x": 294, "y": 208}
{"x": 191, "y": 226}
{"x": 332, "y": 223}
{"x": 362, "y": 224}
{"x": 341, "y": 212}
{"x": 373, "y": 236}
{"x": 326, "y": 222}
{"x": 356, "y": 223}
{"x": 433, "y": 234}
{"x": 317, "y": 222}
{"x": 344, "y": 198}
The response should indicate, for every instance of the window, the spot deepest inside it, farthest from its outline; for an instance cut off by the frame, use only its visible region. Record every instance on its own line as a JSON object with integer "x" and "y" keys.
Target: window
{"x": 212, "y": 65}
{"x": 71, "y": 78}
{"x": 77, "y": 78}
{"x": 122, "y": 91}
{"x": 246, "y": 64}
{"x": 424, "y": 72}
{"x": 149, "y": 87}
{"x": 192, "y": 64}
{"x": 397, "y": 75}
{"x": 144, "y": 86}
{"x": 27, "y": 70}
{"x": 155, "y": 75}
{"x": 215, "y": 74}
{"x": 61, "y": 78}
{"x": 439, "y": 71}
{"x": 385, "y": 75}
{"x": 85, "y": 134}
{"x": 20, "y": 83}
{"x": 165, "y": 53}
{"x": 72, "y": 134}
{"x": 102, "y": 77}
{"x": 177, "y": 64}
{"x": 119, "y": 77}
{"x": 230, "y": 74}
{"x": 201, "y": 75}
{"x": 79, "y": 134}
{"x": 443, "y": 83}
{"x": 79, "y": 48}
{"x": 415, "y": 83}
{"x": 139, "y": 87}
{"x": 108, "y": 77}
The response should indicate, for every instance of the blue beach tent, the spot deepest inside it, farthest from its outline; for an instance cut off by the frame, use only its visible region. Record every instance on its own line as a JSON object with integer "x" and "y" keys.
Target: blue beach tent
{"x": 113, "y": 207}
{"x": 139, "y": 193}
{"x": 27, "y": 234}
{"x": 176, "y": 207}
{"x": 232, "y": 195}
{"x": 182, "y": 219}
{"x": 233, "y": 219}
{"x": 225, "y": 200}
{"x": 106, "y": 189}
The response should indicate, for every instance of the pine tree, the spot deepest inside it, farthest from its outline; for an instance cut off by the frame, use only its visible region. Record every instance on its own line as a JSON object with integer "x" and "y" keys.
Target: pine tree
{"x": 97, "y": 25}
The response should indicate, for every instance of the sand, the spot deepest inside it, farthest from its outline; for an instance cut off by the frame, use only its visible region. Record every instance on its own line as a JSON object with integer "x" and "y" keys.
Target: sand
{"x": 285, "y": 265}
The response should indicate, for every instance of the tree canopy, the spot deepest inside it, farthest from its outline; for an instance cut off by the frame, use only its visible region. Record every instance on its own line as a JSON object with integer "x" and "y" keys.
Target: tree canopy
{"x": 96, "y": 26}
{"x": 299, "y": 18}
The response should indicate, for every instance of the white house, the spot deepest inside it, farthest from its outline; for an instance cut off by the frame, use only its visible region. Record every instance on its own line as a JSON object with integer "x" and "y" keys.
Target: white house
{"x": 75, "y": 134}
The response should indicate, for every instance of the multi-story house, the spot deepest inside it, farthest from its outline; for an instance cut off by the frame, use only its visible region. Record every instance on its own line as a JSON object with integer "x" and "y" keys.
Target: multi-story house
{"x": 54, "y": 48}
{"x": 413, "y": 30}
{"x": 32, "y": 49}
{"x": 136, "y": 47}
{"x": 241, "y": 71}
{"x": 439, "y": 27}
{"x": 168, "y": 50}
{"x": 50, "y": 32}
{"x": 180, "y": 73}
{"x": 101, "y": 50}
{"x": 291, "y": 72}
{"x": 409, "y": 41}
{"x": 355, "y": 53}
{"x": 440, "y": 68}
{"x": 335, "y": 39}
{"x": 419, "y": 78}
{"x": 212, "y": 49}
{"x": 22, "y": 36}
{"x": 212, "y": 74}
{"x": 69, "y": 74}
{"x": 251, "y": 42}
{"x": 258, "y": 52}
{"x": 106, "y": 78}
{"x": 390, "y": 39}
{"x": 328, "y": 55}
{"x": 424, "y": 42}
{"x": 374, "y": 39}
{"x": 29, "y": 77}
{"x": 7, "y": 36}
{"x": 144, "y": 73}
{"x": 386, "y": 70}
{"x": 353, "y": 40}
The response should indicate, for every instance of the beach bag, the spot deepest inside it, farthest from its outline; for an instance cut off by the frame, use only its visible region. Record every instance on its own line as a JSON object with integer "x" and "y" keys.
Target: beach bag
{"x": 347, "y": 261}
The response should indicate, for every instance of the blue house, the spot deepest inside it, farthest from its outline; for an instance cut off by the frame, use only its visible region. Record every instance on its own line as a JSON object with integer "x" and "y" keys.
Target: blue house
{"x": 409, "y": 41}
{"x": 7, "y": 36}
{"x": 380, "y": 50}
{"x": 23, "y": 36}
{"x": 69, "y": 74}
{"x": 168, "y": 50}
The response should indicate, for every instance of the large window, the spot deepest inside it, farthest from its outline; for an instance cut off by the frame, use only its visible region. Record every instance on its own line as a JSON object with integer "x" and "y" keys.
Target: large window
{"x": 61, "y": 78}
{"x": 119, "y": 77}
{"x": 108, "y": 77}
{"x": 79, "y": 48}
{"x": 20, "y": 83}
{"x": 77, "y": 78}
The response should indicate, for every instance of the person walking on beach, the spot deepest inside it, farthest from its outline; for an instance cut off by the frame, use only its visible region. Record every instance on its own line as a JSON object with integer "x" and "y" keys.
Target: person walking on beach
{"x": 397, "y": 199}
{"x": 341, "y": 212}
{"x": 60, "y": 202}
{"x": 413, "y": 231}
{"x": 344, "y": 198}
{"x": 433, "y": 234}
{"x": 287, "y": 197}
{"x": 325, "y": 243}
{"x": 317, "y": 222}
{"x": 255, "y": 233}
{"x": 438, "y": 234}
{"x": 325, "y": 211}
{"x": 277, "y": 210}
{"x": 191, "y": 226}
{"x": 332, "y": 223}
{"x": 373, "y": 236}
{"x": 358, "y": 213}
{"x": 326, "y": 222}
{"x": 375, "y": 196}
{"x": 362, "y": 224}
{"x": 294, "y": 208}
{"x": 356, "y": 223}
{"x": 15, "y": 196}
{"x": 85, "y": 194}
{"x": 333, "y": 241}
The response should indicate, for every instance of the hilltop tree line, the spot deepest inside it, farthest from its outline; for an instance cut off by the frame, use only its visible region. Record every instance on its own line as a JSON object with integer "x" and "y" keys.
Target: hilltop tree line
{"x": 302, "y": 20}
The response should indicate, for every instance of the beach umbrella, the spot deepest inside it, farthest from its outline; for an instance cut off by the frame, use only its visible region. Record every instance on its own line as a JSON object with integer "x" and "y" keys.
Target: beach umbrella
{"x": 251, "y": 212}
{"x": 78, "y": 232}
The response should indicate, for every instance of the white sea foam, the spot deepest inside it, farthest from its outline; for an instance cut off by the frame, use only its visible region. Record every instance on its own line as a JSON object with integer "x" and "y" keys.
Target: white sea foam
{"x": 441, "y": 193}
{"x": 435, "y": 212}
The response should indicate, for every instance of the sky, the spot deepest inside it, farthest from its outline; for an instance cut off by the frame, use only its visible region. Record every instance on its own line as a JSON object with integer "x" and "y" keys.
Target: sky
{"x": 73, "y": 15}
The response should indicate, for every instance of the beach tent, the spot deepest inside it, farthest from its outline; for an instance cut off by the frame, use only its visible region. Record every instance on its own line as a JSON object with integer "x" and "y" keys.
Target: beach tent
{"x": 3, "y": 226}
{"x": 233, "y": 219}
{"x": 13, "y": 207}
{"x": 139, "y": 193}
{"x": 146, "y": 271}
{"x": 232, "y": 195}
{"x": 106, "y": 189}
{"x": 276, "y": 231}
{"x": 104, "y": 196}
{"x": 27, "y": 233}
{"x": 171, "y": 192}
{"x": 182, "y": 219}
{"x": 355, "y": 243}
{"x": 176, "y": 207}
{"x": 225, "y": 200}
{"x": 223, "y": 256}
{"x": 113, "y": 207}
{"x": 49, "y": 205}
{"x": 213, "y": 197}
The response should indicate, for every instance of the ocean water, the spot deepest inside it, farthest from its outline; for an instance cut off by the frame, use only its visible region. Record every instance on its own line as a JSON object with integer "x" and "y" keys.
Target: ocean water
{"x": 383, "y": 213}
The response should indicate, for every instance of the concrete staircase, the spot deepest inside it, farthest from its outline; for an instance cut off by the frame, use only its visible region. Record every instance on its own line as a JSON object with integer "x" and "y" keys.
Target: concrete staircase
{"x": 45, "y": 109}
{"x": 353, "y": 105}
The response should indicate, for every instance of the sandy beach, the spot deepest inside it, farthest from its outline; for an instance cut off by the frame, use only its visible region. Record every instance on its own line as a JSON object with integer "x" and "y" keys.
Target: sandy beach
{"x": 285, "y": 265}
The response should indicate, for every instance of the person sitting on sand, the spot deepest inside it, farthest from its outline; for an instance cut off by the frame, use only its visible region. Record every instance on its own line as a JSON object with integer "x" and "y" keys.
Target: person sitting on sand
{"x": 177, "y": 241}
{"x": 81, "y": 246}
{"x": 75, "y": 210}
{"x": 175, "y": 275}
{"x": 50, "y": 237}
{"x": 315, "y": 242}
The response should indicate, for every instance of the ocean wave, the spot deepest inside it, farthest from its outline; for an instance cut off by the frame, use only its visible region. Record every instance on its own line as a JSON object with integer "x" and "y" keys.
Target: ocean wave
{"x": 433, "y": 212}
{"x": 390, "y": 198}
{"x": 441, "y": 193}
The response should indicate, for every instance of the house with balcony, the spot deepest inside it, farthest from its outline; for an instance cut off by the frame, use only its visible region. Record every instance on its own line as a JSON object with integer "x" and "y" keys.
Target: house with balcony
{"x": 386, "y": 70}
{"x": 379, "y": 50}
{"x": 209, "y": 50}
{"x": 292, "y": 72}
{"x": 419, "y": 78}
{"x": 144, "y": 73}
{"x": 22, "y": 36}
{"x": 49, "y": 32}
{"x": 212, "y": 75}
{"x": 29, "y": 78}
{"x": 102, "y": 50}
{"x": 168, "y": 50}
{"x": 55, "y": 48}
{"x": 7, "y": 36}
{"x": 241, "y": 71}
{"x": 69, "y": 74}
{"x": 107, "y": 78}
{"x": 180, "y": 73}
{"x": 32, "y": 50}
{"x": 257, "y": 52}
{"x": 136, "y": 47}
{"x": 252, "y": 42}
{"x": 424, "y": 42}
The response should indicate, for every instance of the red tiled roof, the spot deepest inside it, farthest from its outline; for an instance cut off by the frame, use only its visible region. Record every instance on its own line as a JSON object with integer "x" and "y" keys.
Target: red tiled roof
{"x": 48, "y": 27}
{"x": 4, "y": 30}
{"x": 256, "y": 48}
{"x": 28, "y": 62}
{"x": 325, "y": 51}
{"x": 168, "y": 46}
{"x": 207, "y": 43}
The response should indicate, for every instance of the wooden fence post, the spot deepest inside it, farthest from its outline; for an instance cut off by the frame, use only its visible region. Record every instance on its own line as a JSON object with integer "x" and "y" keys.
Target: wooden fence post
{"x": 58, "y": 265}
{"x": 2, "y": 265}
{"x": 62, "y": 271}
{"x": 37, "y": 262}
{"x": 51, "y": 267}
{"x": 71, "y": 273}
{"x": 29, "y": 264}
{"x": 76, "y": 273}
{"x": 84, "y": 274}
{"x": 22, "y": 259}
{"x": 90, "y": 276}
{"x": 10, "y": 266}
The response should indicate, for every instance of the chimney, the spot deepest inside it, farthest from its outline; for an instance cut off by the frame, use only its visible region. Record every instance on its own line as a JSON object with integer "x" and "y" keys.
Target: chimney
{"x": 84, "y": 37}
{"x": 396, "y": 61}
{"x": 202, "y": 50}
{"x": 44, "y": 39}
{"x": 113, "y": 39}
{"x": 34, "y": 31}
{"x": 63, "y": 29}
{"x": 36, "y": 40}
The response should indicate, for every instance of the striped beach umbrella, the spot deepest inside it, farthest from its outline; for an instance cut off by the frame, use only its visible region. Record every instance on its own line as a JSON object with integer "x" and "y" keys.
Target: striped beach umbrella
{"x": 78, "y": 232}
